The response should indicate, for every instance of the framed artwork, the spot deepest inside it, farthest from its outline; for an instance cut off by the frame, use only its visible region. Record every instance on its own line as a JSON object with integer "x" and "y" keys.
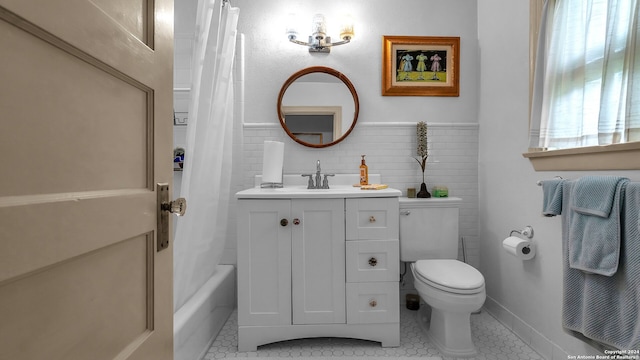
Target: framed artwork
{"x": 420, "y": 66}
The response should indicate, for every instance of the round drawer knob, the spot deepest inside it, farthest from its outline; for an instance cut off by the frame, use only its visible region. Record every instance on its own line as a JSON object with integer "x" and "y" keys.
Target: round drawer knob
{"x": 373, "y": 261}
{"x": 372, "y": 219}
{"x": 373, "y": 303}
{"x": 284, "y": 222}
{"x": 296, "y": 221}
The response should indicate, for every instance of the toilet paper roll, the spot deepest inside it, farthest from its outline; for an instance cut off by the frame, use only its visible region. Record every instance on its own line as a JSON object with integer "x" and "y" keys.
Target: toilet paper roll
{"x": 272, "y": 162}
{"x": 520, "y": 248}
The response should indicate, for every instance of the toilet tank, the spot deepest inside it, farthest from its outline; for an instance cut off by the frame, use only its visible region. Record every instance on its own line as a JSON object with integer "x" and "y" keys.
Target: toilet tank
{"x": 429, "y": 228}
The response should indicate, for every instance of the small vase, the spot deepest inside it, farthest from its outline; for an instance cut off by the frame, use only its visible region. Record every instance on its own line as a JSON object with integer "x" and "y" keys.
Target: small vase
{"x": 423, "y": 193}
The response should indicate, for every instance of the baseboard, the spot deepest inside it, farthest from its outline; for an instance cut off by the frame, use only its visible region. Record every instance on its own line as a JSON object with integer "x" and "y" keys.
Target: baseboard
{"x": 530, "y": 336}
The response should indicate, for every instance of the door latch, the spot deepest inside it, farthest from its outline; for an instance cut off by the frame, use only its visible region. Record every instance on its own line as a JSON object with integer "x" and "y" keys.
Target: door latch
{"x": 165, "y": 207}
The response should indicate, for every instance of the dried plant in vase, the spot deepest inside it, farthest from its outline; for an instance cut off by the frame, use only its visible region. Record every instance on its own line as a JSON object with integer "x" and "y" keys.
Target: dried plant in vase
{"x": 423, "y": 154}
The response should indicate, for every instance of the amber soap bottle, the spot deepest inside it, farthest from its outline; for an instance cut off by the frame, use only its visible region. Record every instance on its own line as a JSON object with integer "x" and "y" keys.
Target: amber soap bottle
{"x": 364, "y": 172}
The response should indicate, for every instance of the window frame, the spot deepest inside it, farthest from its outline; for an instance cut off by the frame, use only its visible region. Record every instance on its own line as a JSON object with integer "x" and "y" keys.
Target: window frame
{"x": 624, "y": 156}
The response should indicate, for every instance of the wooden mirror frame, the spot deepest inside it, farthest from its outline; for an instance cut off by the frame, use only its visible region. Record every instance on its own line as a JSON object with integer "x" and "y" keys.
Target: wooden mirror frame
{"x": 326, "y": 70}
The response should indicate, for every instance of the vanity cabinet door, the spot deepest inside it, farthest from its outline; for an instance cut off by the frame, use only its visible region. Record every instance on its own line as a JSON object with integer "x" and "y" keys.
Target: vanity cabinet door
{"x": 318, "y": 261}
{"x": 264, "y": 262}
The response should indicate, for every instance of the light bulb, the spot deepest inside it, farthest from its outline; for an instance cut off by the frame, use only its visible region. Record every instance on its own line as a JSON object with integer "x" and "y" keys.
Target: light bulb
{"x": 318, "y": 27}
{"x": 346, "y": 29}
{"x": 292, "y": 28}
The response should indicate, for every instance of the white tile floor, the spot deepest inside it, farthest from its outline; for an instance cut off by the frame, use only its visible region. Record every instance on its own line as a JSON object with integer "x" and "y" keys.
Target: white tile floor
{"x": 492, "y": 339}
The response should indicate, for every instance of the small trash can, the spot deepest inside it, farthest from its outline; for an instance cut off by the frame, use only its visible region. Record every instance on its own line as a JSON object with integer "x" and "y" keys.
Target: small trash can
{"x": 413, "y": 301}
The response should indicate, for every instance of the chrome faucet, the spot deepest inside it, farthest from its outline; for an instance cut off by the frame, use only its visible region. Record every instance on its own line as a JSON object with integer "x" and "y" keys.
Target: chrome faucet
{"x": 319, "y": 182}
{"x": 325, "y": 182}
{"x": 318, "y": 177}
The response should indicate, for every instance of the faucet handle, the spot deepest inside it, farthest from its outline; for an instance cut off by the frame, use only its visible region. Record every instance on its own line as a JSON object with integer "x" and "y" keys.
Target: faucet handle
{"x": 325, "y": 181}
{"x": 310, "y": 184}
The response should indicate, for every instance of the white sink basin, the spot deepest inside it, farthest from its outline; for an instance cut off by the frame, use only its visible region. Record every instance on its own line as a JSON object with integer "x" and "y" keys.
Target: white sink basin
{"x": 340, "y": 186}
{"x": 336, "y": 180}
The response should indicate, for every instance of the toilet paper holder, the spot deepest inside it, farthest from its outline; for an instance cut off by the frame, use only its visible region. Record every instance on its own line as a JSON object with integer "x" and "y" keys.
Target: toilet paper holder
{"x": 527, "y": 231}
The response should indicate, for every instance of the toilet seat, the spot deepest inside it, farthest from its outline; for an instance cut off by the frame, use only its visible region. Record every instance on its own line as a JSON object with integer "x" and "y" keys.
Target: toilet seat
{"x": 449, "y": 275}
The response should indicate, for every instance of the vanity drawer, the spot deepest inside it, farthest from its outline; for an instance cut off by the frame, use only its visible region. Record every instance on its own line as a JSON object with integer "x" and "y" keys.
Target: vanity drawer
{"x": 371, "y": 303}
{"x": 372, "y": 218}
{"x": 372, "y": 260}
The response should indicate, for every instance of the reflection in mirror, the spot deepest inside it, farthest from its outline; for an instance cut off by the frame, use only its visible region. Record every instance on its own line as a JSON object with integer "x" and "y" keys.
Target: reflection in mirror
{"x": 318, "y": 107}
{"x": 314, "y": 124}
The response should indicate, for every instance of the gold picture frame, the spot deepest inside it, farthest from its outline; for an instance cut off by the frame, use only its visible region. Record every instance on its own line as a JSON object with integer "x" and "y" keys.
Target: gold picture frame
{"x": 420, "y": 66}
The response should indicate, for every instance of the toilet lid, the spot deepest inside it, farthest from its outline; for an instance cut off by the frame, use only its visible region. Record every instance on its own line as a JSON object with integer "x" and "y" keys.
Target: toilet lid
{"x": 450, "y": 275}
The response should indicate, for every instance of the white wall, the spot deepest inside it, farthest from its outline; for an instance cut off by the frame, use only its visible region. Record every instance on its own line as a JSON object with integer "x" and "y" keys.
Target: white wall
{"x": 271, "y": 59}
{"x": 526, "y": 295}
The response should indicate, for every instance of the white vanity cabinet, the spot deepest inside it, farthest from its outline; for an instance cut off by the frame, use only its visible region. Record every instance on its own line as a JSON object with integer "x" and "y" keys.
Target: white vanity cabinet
{"x": 317, "y": 267}
{"x": 291, "y": 262}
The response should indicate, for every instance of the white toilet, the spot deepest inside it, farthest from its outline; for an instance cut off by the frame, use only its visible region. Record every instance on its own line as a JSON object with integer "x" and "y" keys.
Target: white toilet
{"x": 453, "y": 289}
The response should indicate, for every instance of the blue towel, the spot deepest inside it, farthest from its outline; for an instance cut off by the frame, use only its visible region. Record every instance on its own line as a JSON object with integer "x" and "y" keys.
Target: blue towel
{"x": 594, "y": 195}
{"x": 605, "y": 309}
{"x": 552, "y": 197}
{"x": 594, "y": 232}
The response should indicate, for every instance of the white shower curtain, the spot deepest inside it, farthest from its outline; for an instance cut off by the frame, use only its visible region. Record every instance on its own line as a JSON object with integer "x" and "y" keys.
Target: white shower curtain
{"x": 208, "y": 169}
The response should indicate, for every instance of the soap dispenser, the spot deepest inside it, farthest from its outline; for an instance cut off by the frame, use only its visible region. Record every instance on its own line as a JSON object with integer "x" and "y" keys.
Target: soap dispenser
{"x": 364, "y": 172}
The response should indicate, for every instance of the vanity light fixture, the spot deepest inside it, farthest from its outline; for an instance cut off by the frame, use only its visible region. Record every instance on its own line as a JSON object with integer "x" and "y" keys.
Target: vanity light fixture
{"x": 319, "y": 42}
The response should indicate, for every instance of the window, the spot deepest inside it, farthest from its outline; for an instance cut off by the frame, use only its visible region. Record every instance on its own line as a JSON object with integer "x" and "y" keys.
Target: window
{"x": 586, "y": 93}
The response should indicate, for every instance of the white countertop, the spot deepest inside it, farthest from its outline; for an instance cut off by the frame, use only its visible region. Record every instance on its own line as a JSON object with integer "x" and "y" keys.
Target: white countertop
{"x": 301, "y": 192}
{"x": 295, "y": 186}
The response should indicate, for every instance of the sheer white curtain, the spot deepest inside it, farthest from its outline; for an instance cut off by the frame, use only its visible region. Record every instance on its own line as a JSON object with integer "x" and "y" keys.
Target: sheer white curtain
{"x": 207, "y": 178}
{"x": 587, "y": 87}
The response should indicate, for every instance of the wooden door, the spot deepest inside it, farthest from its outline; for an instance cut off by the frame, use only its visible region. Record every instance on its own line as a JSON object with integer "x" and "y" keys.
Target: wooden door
{"x": 85, "y": 135}
{"x": 318, "y": 261}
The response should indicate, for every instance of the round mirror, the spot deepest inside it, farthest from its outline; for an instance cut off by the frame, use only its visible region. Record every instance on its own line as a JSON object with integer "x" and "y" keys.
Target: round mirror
{"x": 318, "y": 106}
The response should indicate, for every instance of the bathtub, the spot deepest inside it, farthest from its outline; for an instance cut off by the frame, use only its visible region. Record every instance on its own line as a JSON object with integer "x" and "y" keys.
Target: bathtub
{"x": 197, "y": 323}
